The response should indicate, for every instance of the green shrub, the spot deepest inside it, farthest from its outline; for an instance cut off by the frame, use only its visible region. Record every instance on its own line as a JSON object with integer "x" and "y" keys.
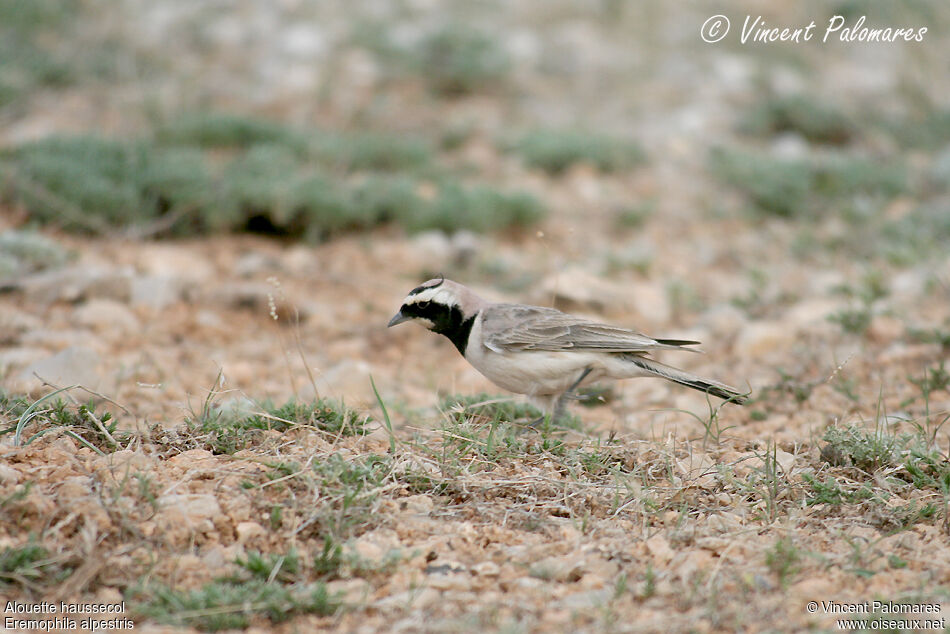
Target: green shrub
{"x": 816, "y": 121}
{"x": 23, "y": 252}
{"x": 272, "y": 180}
{"x": 371, "y": 151}
{"x": 556, "y": 150}
{"x": 458, "y": 59}
{"x": 478, "y": 208}
{"x": 31, "y": 58}
{"x": 220, "y": 130}
{"x": 803, "y": 187}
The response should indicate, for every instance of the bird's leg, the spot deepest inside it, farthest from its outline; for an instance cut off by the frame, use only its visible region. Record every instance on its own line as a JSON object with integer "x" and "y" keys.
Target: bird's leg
{"x": 560, "y": 407}
{"x": 560, "y": 403}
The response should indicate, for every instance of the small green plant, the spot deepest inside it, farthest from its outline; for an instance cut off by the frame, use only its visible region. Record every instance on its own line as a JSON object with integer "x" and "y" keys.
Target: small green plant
{"x": 349, "y": 489}
{"x": 783, "y": 559}
{"x": 24, "y": 560}
{"x": 868, "y": 451}
{"x": 98, "y": 431}
{"x": 227, "y": 430}
{"x": 830, "y": 491}
{"x": 268, "y": 567}
{"x": 146, "y": 492}
{"x": 771, "y": 478}
{"x": 227, "y": 604}
{"x": 935, "y": 379}
{"x": 321, "y": 413}
{"x": 857, "y": 318}
{"x": 939, "y": 336}
{"x": 30, "y": 566}
{"x": 649, "y": 582}
{"x": 634, "y": 216}
{"x": 713, "y": 429}
{"x": 488, "y": 408}
{"x": 777, "y": 187}
{"x": 912, "y": 513}
{"x": 17, "y": 495}
{"x": 797, "y": 388}
{"x": 855, "y": 321}
{"x": 276, "y": 517}
{"x": 387, "y": 423}
{"x": 328, "y": 561}
{"x": 556, "y": 150}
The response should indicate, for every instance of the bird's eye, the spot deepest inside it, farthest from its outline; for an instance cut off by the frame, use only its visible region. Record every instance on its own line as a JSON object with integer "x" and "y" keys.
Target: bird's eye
{"x": 424, "y": 304}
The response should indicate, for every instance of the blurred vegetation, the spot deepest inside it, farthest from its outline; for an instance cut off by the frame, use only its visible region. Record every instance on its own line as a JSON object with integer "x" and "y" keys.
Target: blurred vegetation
{"x": 30, "y": 59}
{"x": 556, "y": 150}
{"x": 458, "y": 59}
{"x": 211, "y": 172}
{"x": 24, "y": 252}
{"x": 815, "y": 120}
{"x": 843, "y": 181}
{"x": 453, "y": 59}
{"x": 808, "y": 186}
{"x": 928, "y": 130}
{"x": 39, "y": 42}
{"x": 924, "y": 230}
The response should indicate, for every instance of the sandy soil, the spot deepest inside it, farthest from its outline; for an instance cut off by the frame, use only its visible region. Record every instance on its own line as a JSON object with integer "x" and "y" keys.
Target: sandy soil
{"x": 648, "y": 518}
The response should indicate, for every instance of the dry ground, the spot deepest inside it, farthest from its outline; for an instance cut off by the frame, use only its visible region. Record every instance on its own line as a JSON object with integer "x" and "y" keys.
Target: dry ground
{"x": 658, "y": 512}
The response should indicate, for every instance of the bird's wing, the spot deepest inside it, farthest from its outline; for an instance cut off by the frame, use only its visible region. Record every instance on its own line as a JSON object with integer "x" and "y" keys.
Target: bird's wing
{"x": 513, "y": 327}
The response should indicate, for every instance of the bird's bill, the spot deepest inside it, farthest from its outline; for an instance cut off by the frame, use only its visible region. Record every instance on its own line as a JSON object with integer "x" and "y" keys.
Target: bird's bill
{"x": 398, "y": 318}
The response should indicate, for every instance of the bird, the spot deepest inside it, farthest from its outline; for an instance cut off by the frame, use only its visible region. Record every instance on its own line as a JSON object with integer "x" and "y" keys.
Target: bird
{"x": 540, "y": 352}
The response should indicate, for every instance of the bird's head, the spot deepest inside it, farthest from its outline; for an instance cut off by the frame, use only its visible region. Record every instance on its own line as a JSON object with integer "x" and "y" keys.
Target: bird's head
{"x": 439, "y": 305}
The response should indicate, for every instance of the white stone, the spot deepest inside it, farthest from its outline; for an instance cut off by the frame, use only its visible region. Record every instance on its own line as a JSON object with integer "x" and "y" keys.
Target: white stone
{"x": 107, "y": 315}
{"x": 75, "y": 365}
{"x": 155, "y": 291}
{"x": 247, "y": 531}
{"x": 760, "y": 338}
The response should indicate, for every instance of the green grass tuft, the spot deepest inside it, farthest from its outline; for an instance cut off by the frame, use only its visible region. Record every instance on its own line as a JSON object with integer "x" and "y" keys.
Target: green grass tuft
{"x": 96, "y": 430}
{"x": 490, "y": 408}
{"x": 227, "y": 430}
{"x": 267, "y": 567}
{"x": 225, "y": 604}
{"x": 30, "y": 566}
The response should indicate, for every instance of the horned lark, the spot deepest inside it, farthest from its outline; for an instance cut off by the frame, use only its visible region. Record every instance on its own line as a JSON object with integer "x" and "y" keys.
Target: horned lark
{"x": 542, "y": 352}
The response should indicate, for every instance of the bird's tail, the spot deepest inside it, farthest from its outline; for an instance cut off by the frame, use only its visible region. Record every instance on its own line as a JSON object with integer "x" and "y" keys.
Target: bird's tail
{"x": 689, "y": 380}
